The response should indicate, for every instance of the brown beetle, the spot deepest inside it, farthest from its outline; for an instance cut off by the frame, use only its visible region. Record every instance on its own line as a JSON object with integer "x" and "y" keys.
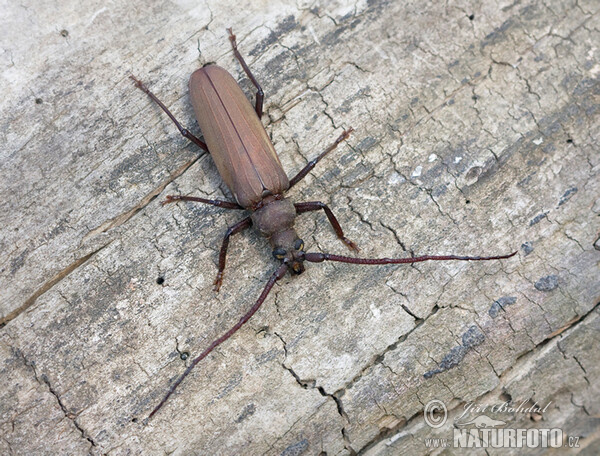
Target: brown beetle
{"x": 248, "y": 163}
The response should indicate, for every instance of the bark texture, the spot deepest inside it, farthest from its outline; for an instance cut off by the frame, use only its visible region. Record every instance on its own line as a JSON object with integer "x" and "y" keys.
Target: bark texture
{"x": 477, "y": 130}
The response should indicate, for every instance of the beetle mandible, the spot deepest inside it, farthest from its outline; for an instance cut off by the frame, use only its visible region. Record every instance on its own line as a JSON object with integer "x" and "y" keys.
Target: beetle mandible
{"x": 246, "y": 160}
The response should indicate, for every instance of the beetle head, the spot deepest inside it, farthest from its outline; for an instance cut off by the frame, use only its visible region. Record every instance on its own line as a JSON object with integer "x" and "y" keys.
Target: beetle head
{"x": 289, "y": 249}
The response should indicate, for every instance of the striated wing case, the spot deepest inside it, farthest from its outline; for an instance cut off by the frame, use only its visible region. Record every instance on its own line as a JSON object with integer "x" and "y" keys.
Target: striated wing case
{"x": 235, "y": 136}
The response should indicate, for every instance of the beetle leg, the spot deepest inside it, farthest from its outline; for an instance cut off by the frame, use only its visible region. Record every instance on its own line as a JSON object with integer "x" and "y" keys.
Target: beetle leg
{"x": 218, "y": 203}
{"x": 311, "y": 164}
{"x": 184, "y": 131}
{"x": 234, "y": 229}
{"x": 259, "y": 91}
{"x": 315, "y": 206}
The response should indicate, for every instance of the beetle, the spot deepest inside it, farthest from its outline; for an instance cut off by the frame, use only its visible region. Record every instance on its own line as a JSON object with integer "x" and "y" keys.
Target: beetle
{"x": 247, "y": 162}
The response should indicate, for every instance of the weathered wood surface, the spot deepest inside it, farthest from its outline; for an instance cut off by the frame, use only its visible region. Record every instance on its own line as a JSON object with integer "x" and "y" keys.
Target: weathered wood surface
{"x": 477, "y": 129}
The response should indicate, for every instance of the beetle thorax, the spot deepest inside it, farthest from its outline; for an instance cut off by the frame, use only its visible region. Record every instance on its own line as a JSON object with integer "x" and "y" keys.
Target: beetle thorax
{"x": 276, "y": 217}
{"x": 276, "y": 221}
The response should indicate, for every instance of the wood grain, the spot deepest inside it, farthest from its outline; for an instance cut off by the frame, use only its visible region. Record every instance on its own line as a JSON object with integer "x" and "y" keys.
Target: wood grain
{"x": 477, "y": 131}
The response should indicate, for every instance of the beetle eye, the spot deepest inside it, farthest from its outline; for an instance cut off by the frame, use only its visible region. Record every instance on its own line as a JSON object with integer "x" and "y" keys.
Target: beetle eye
{"x": 299, "y": 244}
{"x": 279, "y": 253}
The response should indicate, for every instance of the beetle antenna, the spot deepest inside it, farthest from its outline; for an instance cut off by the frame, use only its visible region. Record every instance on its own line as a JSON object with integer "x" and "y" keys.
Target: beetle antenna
{"x": 320, "y": 257}
{"x": 278, "y": 274}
